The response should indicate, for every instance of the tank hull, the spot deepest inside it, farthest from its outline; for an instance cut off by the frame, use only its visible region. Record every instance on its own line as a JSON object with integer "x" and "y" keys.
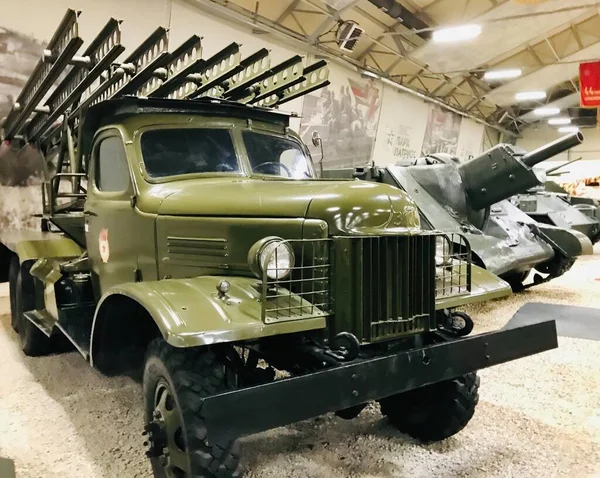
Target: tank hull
{"x": 557, "y": 210}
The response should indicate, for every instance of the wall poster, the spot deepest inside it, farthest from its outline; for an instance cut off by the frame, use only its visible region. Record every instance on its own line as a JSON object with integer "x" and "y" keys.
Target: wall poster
{"x": 442, "y": 131}
{"x": 20, "y": 168}
{"x": 345, "y": 114}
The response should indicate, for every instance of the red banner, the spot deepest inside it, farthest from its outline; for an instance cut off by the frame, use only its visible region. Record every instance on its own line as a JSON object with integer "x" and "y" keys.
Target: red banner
{"x": 589, "y": 84}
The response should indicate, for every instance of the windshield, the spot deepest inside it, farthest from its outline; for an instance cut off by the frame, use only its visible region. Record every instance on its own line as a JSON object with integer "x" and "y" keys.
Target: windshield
{"x": 170, "y": 152}
{"x": 276, "y": 156}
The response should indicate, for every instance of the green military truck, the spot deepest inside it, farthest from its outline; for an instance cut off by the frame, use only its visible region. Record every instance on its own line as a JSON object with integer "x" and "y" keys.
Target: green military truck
{"x": 185, "y": 236}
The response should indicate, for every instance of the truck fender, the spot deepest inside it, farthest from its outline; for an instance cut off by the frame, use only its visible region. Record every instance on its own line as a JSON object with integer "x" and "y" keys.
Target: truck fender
{"x": 33, "y": 245}
{"x": 190, "y": 312}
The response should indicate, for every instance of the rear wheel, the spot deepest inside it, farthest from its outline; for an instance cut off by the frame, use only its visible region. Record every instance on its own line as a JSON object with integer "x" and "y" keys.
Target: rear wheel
{"x": 175, "y": 381}
{"x": 33, "y": 341}
{"x": 434, "y": 412}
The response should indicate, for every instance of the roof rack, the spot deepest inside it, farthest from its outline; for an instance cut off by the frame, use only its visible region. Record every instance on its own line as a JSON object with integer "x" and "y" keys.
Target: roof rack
{"x": 43, "y": 112}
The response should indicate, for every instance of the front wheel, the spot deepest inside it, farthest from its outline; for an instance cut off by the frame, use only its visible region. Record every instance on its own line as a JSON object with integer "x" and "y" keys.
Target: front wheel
{"x": 175, "y": 381}
{"x": 434, "y": 412}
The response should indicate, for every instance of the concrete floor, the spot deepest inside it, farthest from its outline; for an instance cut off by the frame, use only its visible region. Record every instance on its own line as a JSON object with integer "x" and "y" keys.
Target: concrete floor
{"x": 538, "y": 416}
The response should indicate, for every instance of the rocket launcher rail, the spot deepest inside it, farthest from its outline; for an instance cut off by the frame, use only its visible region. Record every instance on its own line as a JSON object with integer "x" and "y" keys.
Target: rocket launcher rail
{"x": 150, "y": 71}
{"x": 500, "y": 172}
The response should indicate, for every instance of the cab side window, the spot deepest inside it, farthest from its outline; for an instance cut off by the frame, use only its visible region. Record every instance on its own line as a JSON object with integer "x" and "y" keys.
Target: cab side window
{"x": 112, "y": 173}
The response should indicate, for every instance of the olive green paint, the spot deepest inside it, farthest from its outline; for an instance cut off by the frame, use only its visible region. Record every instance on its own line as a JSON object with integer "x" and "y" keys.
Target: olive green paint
{"x": 31, "y": 244}
{"x": 484, "y": 286}
{"x": 189, "y": 312}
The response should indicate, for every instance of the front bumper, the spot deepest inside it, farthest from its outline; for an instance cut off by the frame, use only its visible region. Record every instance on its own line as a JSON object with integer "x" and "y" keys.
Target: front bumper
{"x": 255, "y": 409}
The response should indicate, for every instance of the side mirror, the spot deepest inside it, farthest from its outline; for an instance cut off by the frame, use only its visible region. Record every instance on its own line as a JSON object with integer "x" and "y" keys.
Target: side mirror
{"x": 316, "y": 138}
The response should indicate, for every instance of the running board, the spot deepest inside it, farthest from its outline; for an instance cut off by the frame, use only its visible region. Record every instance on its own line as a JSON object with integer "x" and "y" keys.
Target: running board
{"x": 42, "y": 319}
{"x": 76, "y": 324}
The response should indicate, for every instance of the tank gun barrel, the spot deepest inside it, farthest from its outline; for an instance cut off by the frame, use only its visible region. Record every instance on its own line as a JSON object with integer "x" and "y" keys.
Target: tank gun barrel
{"x": 560, "y": 166}
{"x": 502, "y": 172}
{"x": 552, "y": 149}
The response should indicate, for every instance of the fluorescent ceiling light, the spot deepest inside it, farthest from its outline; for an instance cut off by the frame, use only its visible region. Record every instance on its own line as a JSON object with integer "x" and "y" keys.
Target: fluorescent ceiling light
{"x": 559, "y": 121}
{"x": 568, "y": 129}
{"x": 530, "y": 95}
{"x": 547, "y": 111}
{"x": 502, "y": 74}
{"x": 453, "y": 34}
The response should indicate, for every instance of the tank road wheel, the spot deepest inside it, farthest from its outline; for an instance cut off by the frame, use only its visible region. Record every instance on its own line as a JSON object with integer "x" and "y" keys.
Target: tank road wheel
{"x": 33, "y": 341}
{"x": 434, "y": 412}
{"x": 516, "y": 280}
{"x": 175, "y": 380}
{"x": 13, "y": 273}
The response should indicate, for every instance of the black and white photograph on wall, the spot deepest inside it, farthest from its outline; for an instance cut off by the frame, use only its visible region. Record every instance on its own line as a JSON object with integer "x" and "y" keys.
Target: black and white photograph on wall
{"x": 441, "y": 133}
{"x": 346, "y": 118}
{"x": 20, "y": 167}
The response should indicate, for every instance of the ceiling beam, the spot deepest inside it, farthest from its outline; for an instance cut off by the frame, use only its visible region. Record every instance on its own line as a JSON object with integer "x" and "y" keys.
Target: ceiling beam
{"x": 292, "y": 6}
{"x": 575, "y": 33}
{"x": 333, "y": 16}
{"x": 229, "y": 11}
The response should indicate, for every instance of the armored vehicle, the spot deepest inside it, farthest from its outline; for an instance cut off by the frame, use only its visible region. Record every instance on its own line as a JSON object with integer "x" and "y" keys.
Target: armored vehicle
{"x": 185, "y": 235}
{"x": 550, "y": 203}
{"x": 471, "y": 198}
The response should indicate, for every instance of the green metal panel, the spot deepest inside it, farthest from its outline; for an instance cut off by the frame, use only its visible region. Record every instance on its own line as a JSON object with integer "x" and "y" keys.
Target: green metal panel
{"x": 189, "y": 312}
{"x": 484, "y": 286}
{"x": 384, "y": 287}
{"x": 31, "y": 244}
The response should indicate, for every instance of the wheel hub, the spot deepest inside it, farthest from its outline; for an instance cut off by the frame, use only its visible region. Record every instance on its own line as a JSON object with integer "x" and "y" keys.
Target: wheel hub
{"x": 156, "y": 431}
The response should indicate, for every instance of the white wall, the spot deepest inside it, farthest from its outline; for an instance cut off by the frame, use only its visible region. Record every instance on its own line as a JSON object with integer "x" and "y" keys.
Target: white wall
{"x": 402, "y": 123}
{"x": 536, "y": 136}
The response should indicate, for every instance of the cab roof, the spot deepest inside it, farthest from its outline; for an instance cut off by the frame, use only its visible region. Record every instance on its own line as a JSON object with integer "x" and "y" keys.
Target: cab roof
{"x": 117, "y": 109}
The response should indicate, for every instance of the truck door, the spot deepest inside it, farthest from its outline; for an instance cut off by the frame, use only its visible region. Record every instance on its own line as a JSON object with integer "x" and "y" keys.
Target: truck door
{"x": 110, "y": 217}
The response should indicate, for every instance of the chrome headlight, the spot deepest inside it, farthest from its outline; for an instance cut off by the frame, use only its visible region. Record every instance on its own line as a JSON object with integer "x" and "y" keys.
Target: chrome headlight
{"x": 273, "y": 256}
{"x": 443, "y": 251}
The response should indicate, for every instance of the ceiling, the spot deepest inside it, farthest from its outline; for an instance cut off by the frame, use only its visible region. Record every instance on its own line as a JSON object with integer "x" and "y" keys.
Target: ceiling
{"x": 545, "y": 38}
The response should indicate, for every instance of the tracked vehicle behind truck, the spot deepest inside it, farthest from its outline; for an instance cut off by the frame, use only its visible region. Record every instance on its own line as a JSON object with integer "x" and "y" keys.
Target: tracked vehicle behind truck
{"x": 184, "y": 234}
{"x": 473, "y": 198}
{"x": 550, "y": 203}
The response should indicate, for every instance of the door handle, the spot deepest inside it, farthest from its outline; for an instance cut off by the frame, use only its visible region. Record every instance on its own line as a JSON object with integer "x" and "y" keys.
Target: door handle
{"x": 89, "y": 213}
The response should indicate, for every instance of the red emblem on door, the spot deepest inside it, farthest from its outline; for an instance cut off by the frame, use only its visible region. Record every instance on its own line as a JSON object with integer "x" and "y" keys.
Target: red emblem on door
{"x": 103, "y": 245}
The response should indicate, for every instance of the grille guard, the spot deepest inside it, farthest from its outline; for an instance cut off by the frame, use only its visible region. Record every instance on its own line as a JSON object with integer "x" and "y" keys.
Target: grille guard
{"x": 392, "y": 281}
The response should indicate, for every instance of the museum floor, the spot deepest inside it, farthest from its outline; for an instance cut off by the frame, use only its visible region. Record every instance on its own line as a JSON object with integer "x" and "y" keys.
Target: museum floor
{"x": 538, "y": 416}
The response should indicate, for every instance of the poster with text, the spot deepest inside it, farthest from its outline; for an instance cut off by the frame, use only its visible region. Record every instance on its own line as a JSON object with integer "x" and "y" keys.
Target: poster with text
{"x": 441, "y": 134}
{"x": 345, "y": 114}
{"x": 401, "y": 128}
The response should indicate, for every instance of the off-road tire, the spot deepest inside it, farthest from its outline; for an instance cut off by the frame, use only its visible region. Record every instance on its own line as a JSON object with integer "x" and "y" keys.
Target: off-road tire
{"x": 192, "y": 374}
{"x": 13, "y": 273}
{"x": 33, "y": 341}
{"x": 434, "y": 412}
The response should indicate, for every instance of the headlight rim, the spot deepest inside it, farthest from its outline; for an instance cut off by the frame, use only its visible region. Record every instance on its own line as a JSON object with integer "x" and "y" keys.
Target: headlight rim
{"x": 258, "y": 248}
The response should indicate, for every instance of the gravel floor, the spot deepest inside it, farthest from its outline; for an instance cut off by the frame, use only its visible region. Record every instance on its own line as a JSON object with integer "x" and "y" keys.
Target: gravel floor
{"x": 539, "y": 416}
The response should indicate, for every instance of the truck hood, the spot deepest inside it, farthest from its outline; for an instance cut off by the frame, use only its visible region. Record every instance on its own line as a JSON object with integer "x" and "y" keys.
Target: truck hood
{"x": 347, "y": 206}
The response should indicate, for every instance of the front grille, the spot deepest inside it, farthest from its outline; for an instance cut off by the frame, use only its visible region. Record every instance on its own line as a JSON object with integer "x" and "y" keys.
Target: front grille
{"x": 375, "y": 287}
{"x": 390, "y": 288}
